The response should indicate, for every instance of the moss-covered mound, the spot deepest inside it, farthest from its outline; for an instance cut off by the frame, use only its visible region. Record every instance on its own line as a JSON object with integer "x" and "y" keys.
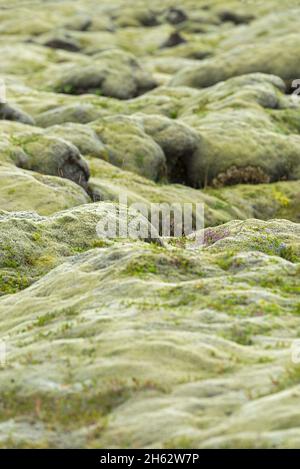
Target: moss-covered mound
{"x": 138, "y": 339}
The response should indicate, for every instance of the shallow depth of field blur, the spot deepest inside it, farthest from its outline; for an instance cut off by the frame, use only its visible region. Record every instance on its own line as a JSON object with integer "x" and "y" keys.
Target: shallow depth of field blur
{"x": 129, "y": 343}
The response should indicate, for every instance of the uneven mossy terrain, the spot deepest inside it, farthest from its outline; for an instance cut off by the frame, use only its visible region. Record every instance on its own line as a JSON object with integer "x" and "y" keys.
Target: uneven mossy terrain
{"x": 149, "y": 342}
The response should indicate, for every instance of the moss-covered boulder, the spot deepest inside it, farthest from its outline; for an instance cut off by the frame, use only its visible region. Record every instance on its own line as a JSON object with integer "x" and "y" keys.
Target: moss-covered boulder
{"x": 78, "y": 113}
{"x": 60, "y": 40}
{"x": 9, "y": 113}
{"x": 119, "y": 339}
{"x": 35, "y": 151}
{"x": 32, "y": 245}
{"x": 111, "y": 73}
{"x": 83, "y": 137}
{"x": 241, "y": 139}
{"x": 55, "y": 157}
{"x": 269, "y": 56}
{"x": 214, "y": 330}
{"x": 264, "y": 201}
{"x": 178, "y": 142}
{"x": 128, "y": 146}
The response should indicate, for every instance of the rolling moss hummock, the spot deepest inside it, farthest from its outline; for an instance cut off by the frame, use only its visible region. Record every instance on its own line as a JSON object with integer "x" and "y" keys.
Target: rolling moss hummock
{"x": 118, "y": 332}
{"x": 150, "y": 343}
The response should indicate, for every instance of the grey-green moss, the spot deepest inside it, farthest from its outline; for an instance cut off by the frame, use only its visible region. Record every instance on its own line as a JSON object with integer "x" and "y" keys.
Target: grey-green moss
{"x": 127, "y": 343}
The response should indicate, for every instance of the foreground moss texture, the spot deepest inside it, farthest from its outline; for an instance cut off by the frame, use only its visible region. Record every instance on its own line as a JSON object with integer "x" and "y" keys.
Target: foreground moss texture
{"x": 149, "y": 343}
